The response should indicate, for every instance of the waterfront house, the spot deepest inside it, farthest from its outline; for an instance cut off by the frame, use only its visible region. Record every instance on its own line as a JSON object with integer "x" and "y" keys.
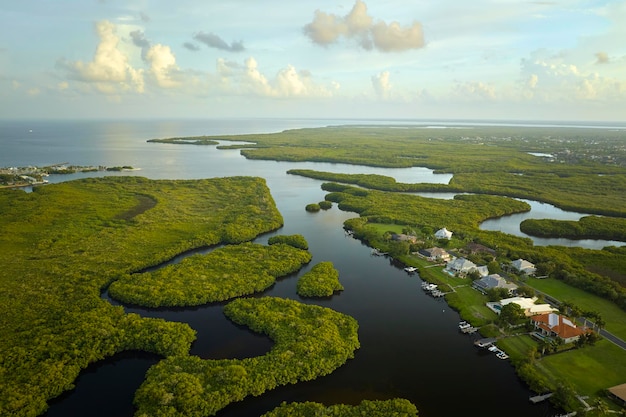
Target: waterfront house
{"x": 557, "y": 325}
{"x": 488, "y": 282}
{"x": 527, "y": 305}
{"x": 435, "y": 254}
{"x": 460, "y": 267}
{"x": 400, "y": 237}
{"x": 474, "y": 248}
{"x": 443, "y": 234}
{"x": 618, "y": 393}
{"x": 524, "y": 267}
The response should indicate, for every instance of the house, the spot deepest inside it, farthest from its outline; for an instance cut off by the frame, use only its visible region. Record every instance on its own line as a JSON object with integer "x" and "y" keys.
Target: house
{"x": 483, "y": 270}
{"x": 556, "y": 325}
{"x": 475, "y": 248}
{"x": 526, "y": 304}
{"x": 443, "y": 234}
{"x": 400, "y": 237}
{"x": 460, "y": 266}
{"x": 435, "y": 254}
{"x": 618, "y": 393}
{"x": 524, "y": 267}
{"x": 488, "y": 282}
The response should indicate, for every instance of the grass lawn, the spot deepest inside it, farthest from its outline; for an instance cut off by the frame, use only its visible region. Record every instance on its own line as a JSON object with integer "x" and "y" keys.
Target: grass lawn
{"x": 517, "y": 347}
{"x": 614, "y": 317}
{"x": 597, "y": 367}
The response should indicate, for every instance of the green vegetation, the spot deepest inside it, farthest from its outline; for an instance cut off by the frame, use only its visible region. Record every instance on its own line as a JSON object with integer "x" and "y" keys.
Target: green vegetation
{"x": 313, "y": 207}
{"x": 311, "y": 341}
{"x": 321, "y": 281}
{"x": 297, "y": 241}
{"x": 585, "y": 172}
{"x": 223, "y": 274}
{"x": 197, "y": 140}
{"x": 325, "y": 205}
{"x": 588, "y": 227}
{"x": 396, "y": 407}
{"x": 62, "y": 244}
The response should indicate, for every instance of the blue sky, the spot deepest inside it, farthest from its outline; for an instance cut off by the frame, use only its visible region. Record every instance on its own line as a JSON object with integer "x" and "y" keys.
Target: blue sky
{"x": 446, "y": 59}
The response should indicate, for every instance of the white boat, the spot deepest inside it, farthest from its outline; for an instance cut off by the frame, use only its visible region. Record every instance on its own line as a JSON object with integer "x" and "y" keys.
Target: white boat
{"x": 502, "y": 355}
{"x": 493, "y": 349}
{"x": 410, "y": 269}
{"x": 464, "y": 325}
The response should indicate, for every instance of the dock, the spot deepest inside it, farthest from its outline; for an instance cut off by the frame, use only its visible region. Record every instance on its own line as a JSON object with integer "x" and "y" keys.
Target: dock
{"x": 539, "y": 398}
{"x": 485, "y": 343}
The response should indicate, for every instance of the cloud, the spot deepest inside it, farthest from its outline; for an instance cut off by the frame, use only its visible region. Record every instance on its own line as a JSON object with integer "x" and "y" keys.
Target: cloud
{"x": 557, "y": 80}
{"x": 139, "y": 40}
{"x": 144, "y": 17}
{"x": 603, "y": 58}
{"x": 381, "y": 84}
{"x": 109, "y": 71}
{"x": 326, "y": 29}
{"x": 163, "y": 65}
{"x": 475, "y": 90}
{"x": 191, "y": 46}
{"x": 213, "y": 41}
{"x": 247, "y": 79}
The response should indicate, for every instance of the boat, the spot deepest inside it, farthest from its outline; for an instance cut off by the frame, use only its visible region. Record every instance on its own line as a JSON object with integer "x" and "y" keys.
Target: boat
{"x": 410, "y": 269}
{"x": 464, "y": 325}
{"x": 502, "y": 355}
{"x": 492, "y": 348}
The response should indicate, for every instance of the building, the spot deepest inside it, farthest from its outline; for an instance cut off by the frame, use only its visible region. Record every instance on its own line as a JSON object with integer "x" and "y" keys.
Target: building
{"x": 435, "y": 254}
{"x": 489, "y": 282}
{"x": 460, "y": 266}
{"x": 443, "y": 234}
{"x": 527, "y": 304}
{"x": 476, "y": 248}
{"x": 557, "y": 325}
{"x": 618, "y": 393}
{"x": 400, "y": 237}
{"x": 524, "y": 267}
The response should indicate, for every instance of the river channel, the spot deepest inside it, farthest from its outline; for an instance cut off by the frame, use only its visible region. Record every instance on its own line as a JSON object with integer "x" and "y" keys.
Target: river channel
{"x": 410, "y": 343}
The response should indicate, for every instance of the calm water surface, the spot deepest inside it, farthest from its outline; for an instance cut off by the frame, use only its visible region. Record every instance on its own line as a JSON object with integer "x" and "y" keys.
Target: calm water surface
{"x": 410, "y": 343}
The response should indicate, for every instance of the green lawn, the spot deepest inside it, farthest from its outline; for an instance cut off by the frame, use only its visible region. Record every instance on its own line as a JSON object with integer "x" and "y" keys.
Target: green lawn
{"x": 614, "y": 317}
{"x": 597, "y": 367}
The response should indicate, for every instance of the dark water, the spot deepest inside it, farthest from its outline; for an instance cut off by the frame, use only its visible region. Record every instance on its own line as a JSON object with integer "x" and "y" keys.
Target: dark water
{"x": 410, "y": 343}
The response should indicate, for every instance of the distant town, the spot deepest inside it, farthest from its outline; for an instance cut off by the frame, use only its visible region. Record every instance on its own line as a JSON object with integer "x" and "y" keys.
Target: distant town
{"x": 15, "y": 177}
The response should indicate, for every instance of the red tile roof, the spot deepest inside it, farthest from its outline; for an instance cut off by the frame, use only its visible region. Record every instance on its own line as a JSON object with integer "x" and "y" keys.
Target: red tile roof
{"x": 558, "y": 324}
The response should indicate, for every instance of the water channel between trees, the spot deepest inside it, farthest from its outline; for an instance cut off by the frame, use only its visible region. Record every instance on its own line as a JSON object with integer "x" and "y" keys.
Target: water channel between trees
{"x": 410, "y": 343}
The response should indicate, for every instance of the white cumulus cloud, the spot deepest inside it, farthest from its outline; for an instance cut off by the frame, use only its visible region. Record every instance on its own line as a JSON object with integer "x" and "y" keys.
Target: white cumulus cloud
{"x": 328, "y": 28}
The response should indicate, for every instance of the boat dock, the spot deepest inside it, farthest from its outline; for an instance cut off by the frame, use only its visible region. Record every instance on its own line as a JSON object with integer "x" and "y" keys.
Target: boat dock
{"x": 539, "y": 398}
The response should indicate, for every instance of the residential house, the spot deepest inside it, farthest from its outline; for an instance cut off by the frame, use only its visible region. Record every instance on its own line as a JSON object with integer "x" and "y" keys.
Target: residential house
{"x": 483, "y": 270}
{"x": 400, "y": 237}
{"x": 527, "y": 304}
{"x": 460, "y": 266}
{"x": 435, "y": 254}
{"x": 475, "y": 248}
{"x": 443, "y": 234}
{"x": 489, "y": 282}
{"x": 618, "y": 393}
{"x": 524, "y": 267}
{"x": 557, "y": 325}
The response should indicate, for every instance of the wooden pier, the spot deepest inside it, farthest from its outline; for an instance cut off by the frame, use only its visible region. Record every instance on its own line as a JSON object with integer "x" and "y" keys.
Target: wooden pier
{"x": 539, "y": 398}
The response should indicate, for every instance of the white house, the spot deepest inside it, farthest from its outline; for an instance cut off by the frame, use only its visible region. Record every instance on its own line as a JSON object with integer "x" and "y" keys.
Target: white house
{"x": 523, "y": 266}
{"x": 443, "y": 234}
{"x": 435, "y": 254}
{"x": 460, "y": 266}
{"x": 493, "y": 281}
{"x": 527, "y": 304}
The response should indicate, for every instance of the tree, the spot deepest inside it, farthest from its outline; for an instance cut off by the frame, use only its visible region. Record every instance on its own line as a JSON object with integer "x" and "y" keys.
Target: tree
{"x": 512, "y": 314}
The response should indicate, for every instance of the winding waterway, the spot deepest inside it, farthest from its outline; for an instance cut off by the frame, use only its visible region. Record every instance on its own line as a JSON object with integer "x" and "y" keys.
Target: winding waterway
{"x": 410, "y": 343}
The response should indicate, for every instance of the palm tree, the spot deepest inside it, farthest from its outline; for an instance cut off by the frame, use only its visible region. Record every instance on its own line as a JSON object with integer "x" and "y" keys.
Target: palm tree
{"x": 601, "y": 407}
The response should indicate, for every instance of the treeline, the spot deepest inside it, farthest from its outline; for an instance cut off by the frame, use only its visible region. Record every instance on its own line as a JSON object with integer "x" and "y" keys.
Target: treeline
{"x": 396, "y": 407}
{"x": 220, "y": 275}
{"x": 321, "y": 281}
{"x": 588, "y": 227}
{"x": 297, "y": 241}
{"x": 581, "y": 176}
{"x": 62, "y": 244}
{"x": 311, "y": 341}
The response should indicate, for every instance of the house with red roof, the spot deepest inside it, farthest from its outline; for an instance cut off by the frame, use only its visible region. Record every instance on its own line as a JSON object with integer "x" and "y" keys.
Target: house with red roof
{"x": 557, "y": 325}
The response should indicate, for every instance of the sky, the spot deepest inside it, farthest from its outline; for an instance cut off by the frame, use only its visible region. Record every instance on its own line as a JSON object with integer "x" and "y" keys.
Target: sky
{"x": 365, "y": 59}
